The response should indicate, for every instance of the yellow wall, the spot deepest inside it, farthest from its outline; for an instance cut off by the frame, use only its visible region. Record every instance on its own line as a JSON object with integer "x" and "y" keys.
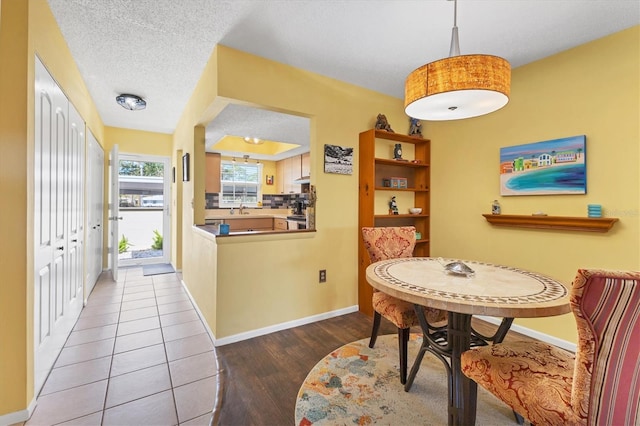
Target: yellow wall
{"x": 594, "y": 90}
{"x": 269, "y": 169}
{"x": 281, "y": 282}
{"x": 572, "y": 93}
{"x": 27, "y": 28}
{"x": 14, "y": 365}
{"x": 138, "y": 141}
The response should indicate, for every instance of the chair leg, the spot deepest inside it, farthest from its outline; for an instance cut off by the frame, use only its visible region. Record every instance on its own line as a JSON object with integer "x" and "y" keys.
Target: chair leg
{"x": 403, "y": 343}
{"x": 374, "y": 331}
{"x": 518, "y": 417}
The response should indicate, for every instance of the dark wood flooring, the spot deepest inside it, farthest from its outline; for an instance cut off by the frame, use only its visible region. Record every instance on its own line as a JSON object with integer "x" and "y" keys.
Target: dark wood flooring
{"x": 262, "y": 375}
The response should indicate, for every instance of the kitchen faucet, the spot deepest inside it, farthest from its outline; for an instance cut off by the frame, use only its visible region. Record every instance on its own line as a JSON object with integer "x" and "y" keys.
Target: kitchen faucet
{"x": 242, "y": 208}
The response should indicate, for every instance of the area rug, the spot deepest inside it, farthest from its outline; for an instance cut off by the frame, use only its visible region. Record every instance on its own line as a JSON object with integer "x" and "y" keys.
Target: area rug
{"x": 356, "y": 385}
{"x": 157, "y": 269}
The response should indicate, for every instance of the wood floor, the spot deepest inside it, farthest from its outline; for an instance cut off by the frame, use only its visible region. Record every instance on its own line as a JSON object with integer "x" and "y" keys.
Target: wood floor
{"x": 262, "y": 376}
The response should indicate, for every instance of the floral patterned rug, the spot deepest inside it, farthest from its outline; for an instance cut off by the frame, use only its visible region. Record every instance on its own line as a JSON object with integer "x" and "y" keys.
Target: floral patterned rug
{"x": 356, "y": 385}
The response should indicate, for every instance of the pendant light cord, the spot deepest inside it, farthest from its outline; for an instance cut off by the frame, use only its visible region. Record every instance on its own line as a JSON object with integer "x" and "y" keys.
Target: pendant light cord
{"x": 454, "y": 50}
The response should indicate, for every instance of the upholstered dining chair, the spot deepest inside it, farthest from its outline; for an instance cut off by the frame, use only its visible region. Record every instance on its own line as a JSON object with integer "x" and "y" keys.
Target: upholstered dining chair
{"x": 600, "y": 385}
{"x": 390, "y": 243}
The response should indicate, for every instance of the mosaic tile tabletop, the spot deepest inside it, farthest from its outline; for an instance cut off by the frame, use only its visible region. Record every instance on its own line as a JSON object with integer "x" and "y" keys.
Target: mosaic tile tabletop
{"x": 492, "y": 290}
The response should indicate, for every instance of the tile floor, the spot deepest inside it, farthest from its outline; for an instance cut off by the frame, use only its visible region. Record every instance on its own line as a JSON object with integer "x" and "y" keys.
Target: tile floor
{"x": 138, "y": 355}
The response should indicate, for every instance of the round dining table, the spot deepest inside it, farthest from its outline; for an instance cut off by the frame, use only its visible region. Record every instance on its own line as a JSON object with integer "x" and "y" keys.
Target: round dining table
{"x": 465, "y": 288}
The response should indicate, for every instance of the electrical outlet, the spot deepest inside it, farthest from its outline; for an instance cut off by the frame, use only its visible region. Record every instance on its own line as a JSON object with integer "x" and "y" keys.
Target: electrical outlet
{"x": 322, "y": 276}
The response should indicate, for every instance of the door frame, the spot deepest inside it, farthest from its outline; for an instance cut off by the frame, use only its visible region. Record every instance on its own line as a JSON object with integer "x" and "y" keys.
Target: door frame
{"x": 166, "y": 208}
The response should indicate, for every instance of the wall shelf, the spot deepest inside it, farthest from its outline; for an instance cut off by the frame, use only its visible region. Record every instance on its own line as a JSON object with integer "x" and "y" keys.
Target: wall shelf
{"x": 388, "y": 188}
{"x": 588, "y": 224}
{"x": 400, "y": 163}
{"x": 400, "y": 216}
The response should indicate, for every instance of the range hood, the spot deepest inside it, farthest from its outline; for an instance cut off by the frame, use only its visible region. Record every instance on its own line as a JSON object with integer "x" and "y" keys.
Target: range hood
{"x": 302, "y": 180}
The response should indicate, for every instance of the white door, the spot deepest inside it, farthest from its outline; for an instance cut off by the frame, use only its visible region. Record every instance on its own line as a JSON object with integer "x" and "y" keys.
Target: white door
{"x": 114, "y": 206}
{"x": 95, "y": 210}
{"x": 75, "y": 209}
{"x": 144, "y": 206}
{"x": 56, "y": 258}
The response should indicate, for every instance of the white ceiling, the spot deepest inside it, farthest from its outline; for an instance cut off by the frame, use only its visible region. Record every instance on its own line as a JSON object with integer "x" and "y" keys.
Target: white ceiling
{"x": 158, "y": 48}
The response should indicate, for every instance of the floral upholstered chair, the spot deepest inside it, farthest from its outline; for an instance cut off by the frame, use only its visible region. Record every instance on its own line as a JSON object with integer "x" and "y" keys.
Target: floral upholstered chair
{"x": 391, "y": 243}
{"x": 600, "y": 385}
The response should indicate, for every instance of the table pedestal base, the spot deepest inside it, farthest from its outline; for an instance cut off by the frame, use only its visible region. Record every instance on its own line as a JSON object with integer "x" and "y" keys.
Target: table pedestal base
{"x": 450, "y": 342}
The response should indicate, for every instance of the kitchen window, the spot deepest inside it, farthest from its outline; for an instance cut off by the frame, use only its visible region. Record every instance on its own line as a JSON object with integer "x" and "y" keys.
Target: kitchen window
{"x": 241, "y": 184}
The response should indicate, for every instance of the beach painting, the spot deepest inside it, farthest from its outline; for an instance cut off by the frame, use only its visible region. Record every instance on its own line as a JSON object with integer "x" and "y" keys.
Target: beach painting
{"x": 551, "y": 167}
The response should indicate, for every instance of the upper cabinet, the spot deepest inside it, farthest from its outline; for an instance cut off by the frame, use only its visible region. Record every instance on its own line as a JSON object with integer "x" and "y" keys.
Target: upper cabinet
{"x": 306, "y": 164}
{"x": 212, "y": 173}
{"x": 291, "y": 169}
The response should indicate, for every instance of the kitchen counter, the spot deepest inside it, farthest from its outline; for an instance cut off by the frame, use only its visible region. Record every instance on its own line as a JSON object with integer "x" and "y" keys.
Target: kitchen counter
{"x": 213, "y": 229}
{"x": 225, "y": 213}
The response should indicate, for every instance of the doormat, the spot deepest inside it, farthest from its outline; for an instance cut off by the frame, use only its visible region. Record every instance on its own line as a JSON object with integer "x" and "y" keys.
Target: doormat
{"x": 161, "y": 268}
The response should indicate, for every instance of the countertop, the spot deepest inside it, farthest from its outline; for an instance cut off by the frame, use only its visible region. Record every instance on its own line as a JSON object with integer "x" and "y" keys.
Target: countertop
{"x": 213, "y": 229}
{"x": 249, "y": 213}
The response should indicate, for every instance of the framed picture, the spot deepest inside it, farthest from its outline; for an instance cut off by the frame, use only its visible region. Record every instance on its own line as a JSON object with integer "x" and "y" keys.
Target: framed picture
{"x": 269, "y": 179}
{"x": 338, "y": 159}
{"x": 185, "y": 167}
{"x": 550, "y": 167}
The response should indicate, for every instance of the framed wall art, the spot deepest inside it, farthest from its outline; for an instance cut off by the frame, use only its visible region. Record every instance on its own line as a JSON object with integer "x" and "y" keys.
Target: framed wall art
{"x": 550, "y": 167}
{"x": 338, "y": 159}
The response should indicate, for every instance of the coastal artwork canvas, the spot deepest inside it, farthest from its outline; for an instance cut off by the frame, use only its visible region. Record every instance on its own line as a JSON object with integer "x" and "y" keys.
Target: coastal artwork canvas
{"x": 551, "y": 167}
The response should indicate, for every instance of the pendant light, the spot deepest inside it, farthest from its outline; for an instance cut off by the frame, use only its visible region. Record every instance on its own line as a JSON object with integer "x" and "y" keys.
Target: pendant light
{"x": 457, "y": 87}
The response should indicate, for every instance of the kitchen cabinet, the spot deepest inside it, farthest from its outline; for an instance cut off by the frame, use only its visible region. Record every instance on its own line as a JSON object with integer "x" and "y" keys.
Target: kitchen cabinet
{"x": 243, "y": 224}
{"x": 279, "y": 224}
{"x": 376, "y": 170}
{"x": 306, "y": 164}
{"x": 212, "y": 173}
{"x": 287, "y": 171}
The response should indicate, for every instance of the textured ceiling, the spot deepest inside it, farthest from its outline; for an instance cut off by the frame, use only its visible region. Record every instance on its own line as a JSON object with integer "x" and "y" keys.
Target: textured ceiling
{"x": 158, "y": 48}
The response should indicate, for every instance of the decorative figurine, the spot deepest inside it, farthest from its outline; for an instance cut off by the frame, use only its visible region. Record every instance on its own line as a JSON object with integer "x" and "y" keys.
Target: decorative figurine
{"x": 415, "y": 127}
{"x": 495, "y": 207}
{"x": 383, "y": 124}
{"x": 393, "y": 207}
{"x": 397, "y": 152}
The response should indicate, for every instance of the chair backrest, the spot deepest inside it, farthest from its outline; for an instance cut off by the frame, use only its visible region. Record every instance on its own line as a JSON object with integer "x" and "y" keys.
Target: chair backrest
{"x": 389, "y": 242}
{"x": 606, "y": 382}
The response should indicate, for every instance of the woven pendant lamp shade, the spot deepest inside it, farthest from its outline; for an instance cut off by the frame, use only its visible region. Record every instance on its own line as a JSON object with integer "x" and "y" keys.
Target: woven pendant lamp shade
{"x": 458, "y": 87}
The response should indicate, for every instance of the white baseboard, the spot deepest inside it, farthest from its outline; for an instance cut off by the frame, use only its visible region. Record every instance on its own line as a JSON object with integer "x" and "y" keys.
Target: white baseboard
{"x": 195, "y": 305}
{"x": 284, "y": 326}
{"x": 266, "y": 330}
{"x": 533, "y": 334}
{"x": 18, "y": 416}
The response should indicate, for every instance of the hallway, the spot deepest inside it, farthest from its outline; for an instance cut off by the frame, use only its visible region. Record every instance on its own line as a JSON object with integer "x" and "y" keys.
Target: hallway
{"x": 138, "y": 355}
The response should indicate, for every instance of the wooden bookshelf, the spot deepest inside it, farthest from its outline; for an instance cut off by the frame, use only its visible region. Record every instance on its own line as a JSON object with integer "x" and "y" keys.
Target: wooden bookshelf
{"x": 373, "y": 169}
